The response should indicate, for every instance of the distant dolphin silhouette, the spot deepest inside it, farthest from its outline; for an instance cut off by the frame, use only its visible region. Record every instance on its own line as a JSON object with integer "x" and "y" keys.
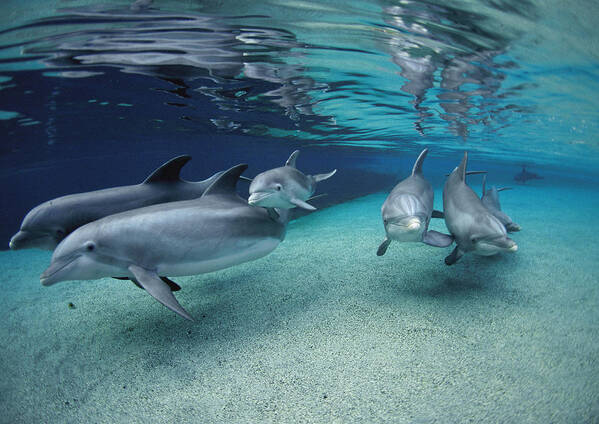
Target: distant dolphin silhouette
{"x": 50, "y": 222}
{"x": 524, "y": 176}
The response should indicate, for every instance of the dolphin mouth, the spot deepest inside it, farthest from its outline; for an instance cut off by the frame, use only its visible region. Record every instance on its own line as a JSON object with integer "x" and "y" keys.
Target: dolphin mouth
{"x": 410, "y": 222}
{"x": 17, "y": 241}
{"x": 51, "y": 274}
{"x": 26, "y": 240}
{"x": 258, "y": 196}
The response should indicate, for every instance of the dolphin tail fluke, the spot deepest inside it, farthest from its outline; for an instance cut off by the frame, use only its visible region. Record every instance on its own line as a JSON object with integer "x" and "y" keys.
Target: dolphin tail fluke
{"x": 291, "y": 161}
{"x": 158, "y": 289}
{"x": 322, "y": 177}
{"x": 383, "y": 247}
{"x": 169, "y": 171}
{"x": 436, "y": 239}
{"x": 301, "y": 204}
{"x": 417, "y": 169}
{"x": 437, "y": 214}
{"x": 454, "y": 256}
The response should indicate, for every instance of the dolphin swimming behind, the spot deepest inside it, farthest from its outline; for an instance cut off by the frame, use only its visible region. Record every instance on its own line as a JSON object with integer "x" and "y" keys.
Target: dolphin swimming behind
{"x": 490, "y": 199}
{"x": 50, "y": 222}
{"x": 285, "y": 187}
{"x": 524, "y": 176}
{"x": 473, "y": 226}
{"x": 408, "y": 209}
{"x": 215, "y": 231}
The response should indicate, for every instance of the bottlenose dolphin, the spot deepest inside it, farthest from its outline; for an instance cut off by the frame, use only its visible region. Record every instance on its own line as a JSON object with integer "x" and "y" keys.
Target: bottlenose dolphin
{"x": 408, "y": 209}
{"x": 490, "y": 199}
{"x": 524, "y": 176}
{"x": 50, "y": 222}
{"x": 285, "y": 187}
{"x": 473, "y": 227}
{"x": 215, "y": 231}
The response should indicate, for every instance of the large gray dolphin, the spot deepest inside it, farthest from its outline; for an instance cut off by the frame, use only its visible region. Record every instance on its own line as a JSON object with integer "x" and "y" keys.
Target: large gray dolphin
{"x": 408, "y": 209}
{"x": 490, "y": 199}
{"x": 473, "y": 226}
{"x": 50, "y": 222}
{"x": 285, "y": 187}
{"x": 216, "y": 231}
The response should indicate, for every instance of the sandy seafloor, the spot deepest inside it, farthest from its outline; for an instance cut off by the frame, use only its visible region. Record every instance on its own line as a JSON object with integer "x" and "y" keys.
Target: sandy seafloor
{"x": 323, "y": 330}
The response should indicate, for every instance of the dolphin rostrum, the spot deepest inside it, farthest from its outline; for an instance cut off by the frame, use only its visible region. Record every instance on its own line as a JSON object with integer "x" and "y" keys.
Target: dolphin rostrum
{"x": 215, "y": 231}
{"x": 472, "y": 225}
{"x": 285, "y": 187}
{"x": 50, "y": 222}
{"x": 408, "y": 209}
{"x": 490, "y": 199}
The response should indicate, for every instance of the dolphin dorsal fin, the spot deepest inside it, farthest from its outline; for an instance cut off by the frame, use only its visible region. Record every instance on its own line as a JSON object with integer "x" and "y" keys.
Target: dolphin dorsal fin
{"x": 226, "y": 183}
{"x": 417, "y": 169}
{"x": 291, "y": 161}
{"x": 461, "y": 170}
{"x": 168, "y": 171}
{"x": 484, "y": 185}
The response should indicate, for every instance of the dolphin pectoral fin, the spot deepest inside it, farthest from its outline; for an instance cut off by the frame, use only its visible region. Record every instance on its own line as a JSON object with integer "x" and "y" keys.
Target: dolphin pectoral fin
{"x": 437, "y": 214}
{"x": 512, "y": 227}
{"x": 437, "y": 239}
{"x": 322, "y": 177}
{"x": 454, "y": 256}
{"x": 317, "y": 196}
{"x": 158, "y": 289}
{"x": 169, "y": 171}
{"x": 273, "y": 214}
{"x": 301, "y": 204}
{"x": 174, "y": 286}
{"x": 383, "y": 247}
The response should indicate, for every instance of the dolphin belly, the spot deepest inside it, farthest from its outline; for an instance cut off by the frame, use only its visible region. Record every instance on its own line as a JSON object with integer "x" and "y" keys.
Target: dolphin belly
{"x": 253, "y": 250}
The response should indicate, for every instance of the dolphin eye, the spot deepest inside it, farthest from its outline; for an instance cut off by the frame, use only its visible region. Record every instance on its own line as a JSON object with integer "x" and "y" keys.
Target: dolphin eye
{"x": 278, "y": 187}
{"x": 473, "y": 240}
{"x": 90, "y": 246}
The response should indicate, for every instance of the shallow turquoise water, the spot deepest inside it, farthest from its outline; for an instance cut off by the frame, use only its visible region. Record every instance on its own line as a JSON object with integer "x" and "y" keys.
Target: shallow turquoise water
{"x": 320, "y": 330}
{"x": 323, "y": 329}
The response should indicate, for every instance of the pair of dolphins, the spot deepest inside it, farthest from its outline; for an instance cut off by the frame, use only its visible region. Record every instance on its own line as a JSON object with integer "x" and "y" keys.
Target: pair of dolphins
{"x": 476, "y": 225}
{"x": 165, "y": 226}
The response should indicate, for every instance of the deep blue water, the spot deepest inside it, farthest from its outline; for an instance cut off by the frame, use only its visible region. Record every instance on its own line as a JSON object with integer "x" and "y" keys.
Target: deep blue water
{"x": 94, "y": 95}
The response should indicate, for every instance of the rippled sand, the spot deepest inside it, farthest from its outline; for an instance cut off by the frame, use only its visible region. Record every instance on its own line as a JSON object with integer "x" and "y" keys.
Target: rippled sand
{"x": 323, "y": 330}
